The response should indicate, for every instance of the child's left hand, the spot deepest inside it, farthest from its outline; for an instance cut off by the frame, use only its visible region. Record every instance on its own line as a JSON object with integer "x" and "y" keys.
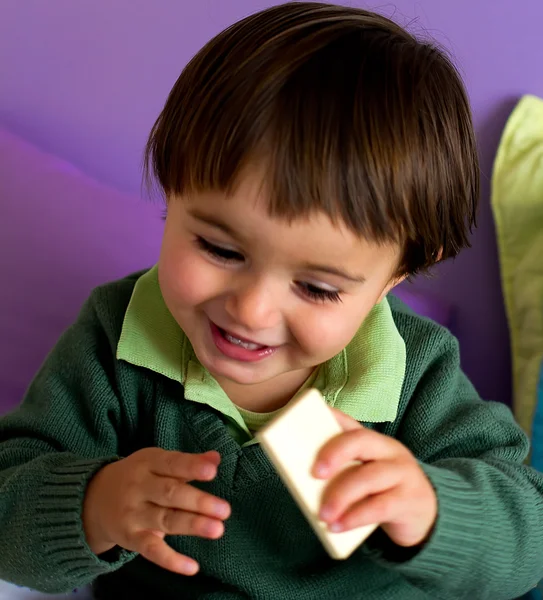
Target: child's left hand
{"x": 388, "y": 488}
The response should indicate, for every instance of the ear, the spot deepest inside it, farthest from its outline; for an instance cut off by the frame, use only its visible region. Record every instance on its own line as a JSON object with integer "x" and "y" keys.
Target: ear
{"x": 391, "y": 285}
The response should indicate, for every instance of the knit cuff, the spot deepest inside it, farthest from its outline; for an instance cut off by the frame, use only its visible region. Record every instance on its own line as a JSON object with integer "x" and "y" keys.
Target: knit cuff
{"x": 59, "y": 524}
{"x": 452, "y": 549}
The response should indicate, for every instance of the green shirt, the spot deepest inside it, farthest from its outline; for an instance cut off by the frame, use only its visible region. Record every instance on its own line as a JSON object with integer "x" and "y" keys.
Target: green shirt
{"x": 256, "y": 420}
{"x": 86, "y": 408}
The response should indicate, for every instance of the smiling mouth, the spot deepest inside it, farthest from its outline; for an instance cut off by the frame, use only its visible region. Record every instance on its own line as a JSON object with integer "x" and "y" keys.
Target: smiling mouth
{"x": 238, "y": 348}
{"x": 242, "y": 343}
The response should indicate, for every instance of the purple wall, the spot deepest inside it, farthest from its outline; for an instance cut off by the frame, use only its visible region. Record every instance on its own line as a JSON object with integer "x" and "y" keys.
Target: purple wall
{"x": 86, "y": 80}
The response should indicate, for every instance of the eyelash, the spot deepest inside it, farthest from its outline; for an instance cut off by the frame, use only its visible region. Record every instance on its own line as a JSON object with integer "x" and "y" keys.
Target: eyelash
{"x": 225, "y": 255}
{"x": 318, "y": 294}
{"x": 221, "y": 254}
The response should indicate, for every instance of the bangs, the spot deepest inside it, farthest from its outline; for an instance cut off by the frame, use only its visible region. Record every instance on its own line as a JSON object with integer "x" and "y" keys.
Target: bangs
{"x": 347, "y": 116}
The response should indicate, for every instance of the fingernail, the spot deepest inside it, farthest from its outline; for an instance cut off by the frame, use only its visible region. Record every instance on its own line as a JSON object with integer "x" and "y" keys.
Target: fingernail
{"x": 213, "y": 529}
{"x": 326, "y": 513}
{"x": 336, "y": 527}
{"x": 191, "y": 568}
{"x": 208, "y": 471}
{"x": 321, "y": 470}
{"x": 221, "y": 511}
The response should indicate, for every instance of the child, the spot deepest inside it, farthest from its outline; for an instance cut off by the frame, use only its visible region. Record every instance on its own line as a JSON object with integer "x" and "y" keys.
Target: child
{"x": 312, "y": 157}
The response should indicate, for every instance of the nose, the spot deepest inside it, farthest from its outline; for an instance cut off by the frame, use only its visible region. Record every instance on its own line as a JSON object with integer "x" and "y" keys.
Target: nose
{"x": 252, "y": 305}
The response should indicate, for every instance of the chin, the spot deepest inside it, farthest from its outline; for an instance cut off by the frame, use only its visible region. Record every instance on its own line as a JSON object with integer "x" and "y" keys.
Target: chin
{"x": 240, "y": 374}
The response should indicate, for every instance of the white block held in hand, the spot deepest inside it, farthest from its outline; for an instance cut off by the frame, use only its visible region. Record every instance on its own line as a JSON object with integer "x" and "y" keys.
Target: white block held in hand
{"x": 292, "y": 441}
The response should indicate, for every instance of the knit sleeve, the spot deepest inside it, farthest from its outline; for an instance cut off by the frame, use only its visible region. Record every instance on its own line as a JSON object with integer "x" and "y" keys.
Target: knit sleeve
{"x": 488, "y": 538}
{"x": 65, "y": 430}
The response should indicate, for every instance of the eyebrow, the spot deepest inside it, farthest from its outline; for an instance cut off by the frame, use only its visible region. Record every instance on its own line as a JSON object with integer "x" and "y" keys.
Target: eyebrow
{"x": 213, "y": 222}
{"x": 328, "y": 269}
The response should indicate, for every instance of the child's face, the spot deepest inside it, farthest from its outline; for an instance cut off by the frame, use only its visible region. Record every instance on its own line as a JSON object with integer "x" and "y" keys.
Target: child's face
{"x": 261, "y": 299}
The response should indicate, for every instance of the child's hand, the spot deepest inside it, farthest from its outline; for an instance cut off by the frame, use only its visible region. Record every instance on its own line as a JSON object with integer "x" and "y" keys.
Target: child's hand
{"x": 388, "y": 488}
{"x": 135, "y": 502}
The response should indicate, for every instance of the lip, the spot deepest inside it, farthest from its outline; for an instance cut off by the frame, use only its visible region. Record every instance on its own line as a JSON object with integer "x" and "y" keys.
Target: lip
{"x": 238, "y": 352}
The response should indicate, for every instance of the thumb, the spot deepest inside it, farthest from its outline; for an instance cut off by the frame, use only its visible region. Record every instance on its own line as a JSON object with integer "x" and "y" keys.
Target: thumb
{"x": 213, "y": 456}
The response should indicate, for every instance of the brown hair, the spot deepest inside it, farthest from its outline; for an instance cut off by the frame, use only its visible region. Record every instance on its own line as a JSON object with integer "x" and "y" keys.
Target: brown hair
{"x": 348, "y": 113}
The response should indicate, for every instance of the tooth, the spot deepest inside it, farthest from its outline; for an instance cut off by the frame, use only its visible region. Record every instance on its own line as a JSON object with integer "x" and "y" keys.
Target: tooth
{"x": 238, "y": 342}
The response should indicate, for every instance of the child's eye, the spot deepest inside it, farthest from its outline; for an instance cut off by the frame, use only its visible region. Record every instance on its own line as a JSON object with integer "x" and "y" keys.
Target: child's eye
{"x": 218, "y": 252}
{"x": 318, "y": 294}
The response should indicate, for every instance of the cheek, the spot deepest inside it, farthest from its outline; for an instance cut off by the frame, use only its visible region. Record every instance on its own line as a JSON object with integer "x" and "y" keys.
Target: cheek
{"x": 186, "y": 278}
{"x": 322, "y": 333}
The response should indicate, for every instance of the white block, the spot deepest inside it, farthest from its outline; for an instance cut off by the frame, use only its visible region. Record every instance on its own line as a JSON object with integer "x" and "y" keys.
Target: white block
{"x": 292, "y": 441}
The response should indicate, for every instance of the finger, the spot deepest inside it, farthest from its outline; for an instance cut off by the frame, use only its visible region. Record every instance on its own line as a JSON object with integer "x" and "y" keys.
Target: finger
{"x": 179, "y": 522}
{"x": 213, "y": 456}
{"x": 173, "y": 493}
{"x": 155, "y": 549}
{"x": 373, "y": 510}
{"x": 347, "y": 423}
{"x": 356, "y": 483}
{"x": 189, "y": 467}
{"x": 356, "y": 445}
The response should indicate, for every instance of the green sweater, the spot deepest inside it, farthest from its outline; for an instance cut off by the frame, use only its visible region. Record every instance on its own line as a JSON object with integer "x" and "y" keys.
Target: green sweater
{"x": 86, "y": 408}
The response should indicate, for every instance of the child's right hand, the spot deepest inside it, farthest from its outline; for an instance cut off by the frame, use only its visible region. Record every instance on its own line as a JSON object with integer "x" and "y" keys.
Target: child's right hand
{"x": 135, "y": 502}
